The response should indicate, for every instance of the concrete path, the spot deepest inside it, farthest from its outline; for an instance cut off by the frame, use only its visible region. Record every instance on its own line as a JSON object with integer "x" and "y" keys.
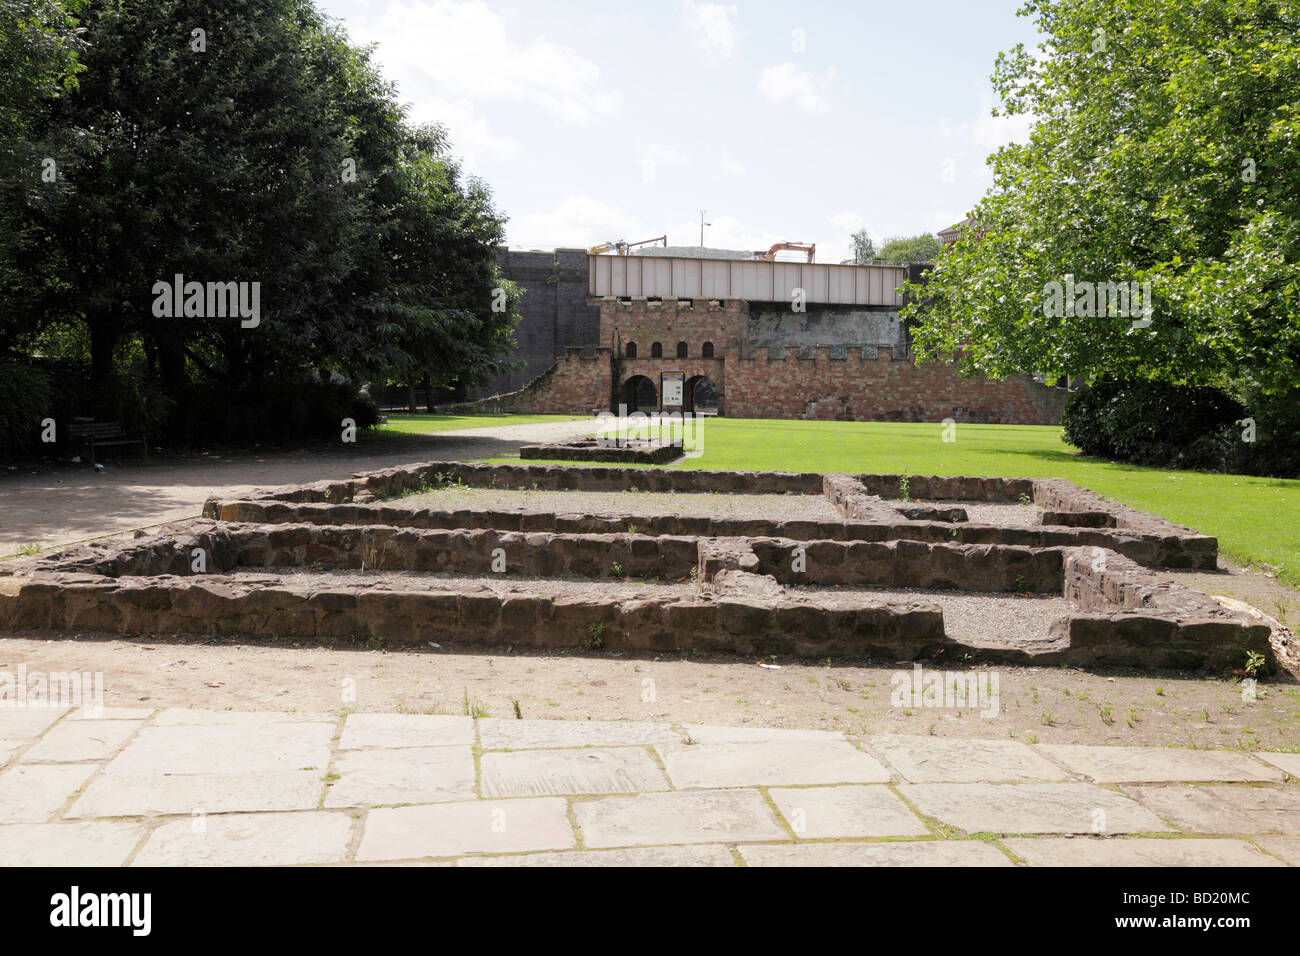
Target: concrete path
{"x": 216, "y": 788}
{"x": 74, "y": 503}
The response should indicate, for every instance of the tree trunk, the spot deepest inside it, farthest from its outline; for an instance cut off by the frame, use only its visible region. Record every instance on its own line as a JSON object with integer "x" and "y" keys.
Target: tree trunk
{"x": 104, "y": 334}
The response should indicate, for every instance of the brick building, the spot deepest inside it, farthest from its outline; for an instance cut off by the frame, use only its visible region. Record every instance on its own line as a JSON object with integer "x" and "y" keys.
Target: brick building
{"x": 756, "y": 357}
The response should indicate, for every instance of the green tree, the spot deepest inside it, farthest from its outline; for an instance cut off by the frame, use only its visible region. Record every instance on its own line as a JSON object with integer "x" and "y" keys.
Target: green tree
{"x": 1165, "y": 151}
{"x": 902, "y": 250}
{"x": 39, "y": 45}
{"x": 265, "y": 148}
{"x": 864, "y": 249}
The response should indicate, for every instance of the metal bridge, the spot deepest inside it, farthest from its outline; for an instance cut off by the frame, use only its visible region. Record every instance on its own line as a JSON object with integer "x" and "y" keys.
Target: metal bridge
{"x": 754, "y": 280}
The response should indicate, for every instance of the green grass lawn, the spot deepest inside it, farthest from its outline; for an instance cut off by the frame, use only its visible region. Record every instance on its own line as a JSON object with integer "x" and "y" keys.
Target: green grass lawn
{"x": 401, "y": 423}
{"x": 1257, "y": 520}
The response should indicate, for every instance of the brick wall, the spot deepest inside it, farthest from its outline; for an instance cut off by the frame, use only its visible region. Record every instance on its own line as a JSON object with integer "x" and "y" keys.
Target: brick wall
{"x": 871, "y": 385}
{"x": 577, "y": 384}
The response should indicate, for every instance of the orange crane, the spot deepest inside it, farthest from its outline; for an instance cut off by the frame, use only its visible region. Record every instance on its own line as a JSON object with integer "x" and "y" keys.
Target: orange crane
{"x": 770, "y": 255}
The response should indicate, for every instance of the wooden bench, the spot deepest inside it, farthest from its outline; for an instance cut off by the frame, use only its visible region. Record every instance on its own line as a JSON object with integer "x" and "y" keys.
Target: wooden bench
{"x": 102, "y": 434}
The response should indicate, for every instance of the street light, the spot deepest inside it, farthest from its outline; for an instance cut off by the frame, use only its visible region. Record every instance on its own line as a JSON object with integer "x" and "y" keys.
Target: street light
{"x": 702, "y": 225}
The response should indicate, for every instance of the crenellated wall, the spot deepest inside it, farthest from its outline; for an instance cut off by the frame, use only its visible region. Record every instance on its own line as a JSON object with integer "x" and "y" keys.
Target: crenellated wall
{"x": 847, "y": 383}
{"x": 873, "y": 384}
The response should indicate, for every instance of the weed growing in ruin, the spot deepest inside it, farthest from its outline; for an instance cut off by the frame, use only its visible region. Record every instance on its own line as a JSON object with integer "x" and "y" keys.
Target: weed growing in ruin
{"x": 475, "y": 707}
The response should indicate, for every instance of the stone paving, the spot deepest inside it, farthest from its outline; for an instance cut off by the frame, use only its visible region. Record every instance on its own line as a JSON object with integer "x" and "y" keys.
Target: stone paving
{"x": 224, "y": 788}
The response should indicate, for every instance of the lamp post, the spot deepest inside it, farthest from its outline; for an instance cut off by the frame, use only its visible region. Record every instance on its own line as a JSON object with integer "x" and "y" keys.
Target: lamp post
{"x": 702, "y": 225}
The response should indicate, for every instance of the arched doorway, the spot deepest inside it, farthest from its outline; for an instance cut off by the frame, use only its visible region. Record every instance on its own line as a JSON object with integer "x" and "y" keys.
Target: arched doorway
{"x": 702, "y": 395}
{"x": 640, "y": 394}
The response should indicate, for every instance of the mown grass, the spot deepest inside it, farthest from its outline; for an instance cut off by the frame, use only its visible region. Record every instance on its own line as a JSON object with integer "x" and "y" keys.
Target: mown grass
{"x": 407, "y": 424}
{"x": 1257, "y": 520}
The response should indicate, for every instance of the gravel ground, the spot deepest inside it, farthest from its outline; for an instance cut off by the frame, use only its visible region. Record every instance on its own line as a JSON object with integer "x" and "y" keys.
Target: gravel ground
{"x": 986, "y": 619}
{"x": 1004, "y": 515}
{"x": 602, "y": 590}
{"x": 976, "y": 618}
{"x": 640, "y": 503}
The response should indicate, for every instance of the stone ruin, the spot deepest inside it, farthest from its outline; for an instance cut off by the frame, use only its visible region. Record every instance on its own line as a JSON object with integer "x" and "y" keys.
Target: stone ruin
{"x": 360, "y": 560}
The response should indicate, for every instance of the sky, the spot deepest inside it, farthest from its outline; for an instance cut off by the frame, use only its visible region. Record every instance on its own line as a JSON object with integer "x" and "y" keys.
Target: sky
{"x": 799, "y": 122}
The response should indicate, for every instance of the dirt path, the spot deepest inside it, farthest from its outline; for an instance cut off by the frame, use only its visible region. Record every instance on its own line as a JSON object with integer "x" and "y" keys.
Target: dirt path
{"x": 73, "y": 503}
{"x": 1046, "y": 704}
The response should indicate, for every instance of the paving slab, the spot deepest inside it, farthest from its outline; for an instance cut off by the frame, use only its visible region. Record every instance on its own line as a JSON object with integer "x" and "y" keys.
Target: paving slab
{"x": 497, "y": 733}
{"x": 947, "y": 760}
{"x": 10, "y": 747}
{"x": 706, "y": 816}
{"x": 27, "y": 723}
{"x": 539, "y": 773}
{"x": 250, "y": 839}
{"x": 1270, "y": 809}
{"x": 929, "y": 853}
{"x": 32, "y": 794}
{"x": 1159, "y": 764}
{"x": 368, "y": 778}
{"x": 1288, "y": 762}
{"x": 406, "y": 730}
{"x": 184, "y": 716}
{"x": 1136, "y": 851}
{"x": 453, "y": 829}
{"x": 229, "y": 748}
{"x": 650, "y": 856}
{"x": 777, "y": 763}
{"x": 109, "y": 713}
{"x": 706, "y": 734}
{"x": 1285, "y": 848}
{"x": 81, "y": 740}
{"x": 68, "y": 844}
{"x": 1193, "y": 809}
{"x": 1031, "y": 808}
{"x": 128, "y": 795}
{"x": 871, "y": 810}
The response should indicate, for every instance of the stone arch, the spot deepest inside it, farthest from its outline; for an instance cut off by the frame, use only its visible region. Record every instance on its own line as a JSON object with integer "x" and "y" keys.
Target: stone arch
{"x": 640, "y": 393}
{"x": 702, "y": 395}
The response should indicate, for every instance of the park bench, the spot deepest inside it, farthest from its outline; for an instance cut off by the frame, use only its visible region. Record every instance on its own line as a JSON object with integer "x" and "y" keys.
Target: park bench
{"x": 103, "y": 434}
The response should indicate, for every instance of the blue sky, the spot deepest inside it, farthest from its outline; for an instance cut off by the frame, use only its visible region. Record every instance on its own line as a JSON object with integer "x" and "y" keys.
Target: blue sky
{"x": 786, "y": 121}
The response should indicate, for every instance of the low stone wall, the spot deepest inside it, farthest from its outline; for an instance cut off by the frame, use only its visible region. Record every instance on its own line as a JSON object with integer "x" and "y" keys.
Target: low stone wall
{"x": 1152, "y": 550}
{"x": 265, "y": 606}
{"x": 592, "y": 450}
{"x": 1124, "y": 605}
{"x": 229, "y": 547}
{"x": 1146, "y": 538}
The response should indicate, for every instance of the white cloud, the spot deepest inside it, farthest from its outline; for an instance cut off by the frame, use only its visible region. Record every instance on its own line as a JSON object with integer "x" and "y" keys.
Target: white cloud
{"x": 650, "y": 156}
{"x": 574, "y": 221}
{"x": 470, "y": 134}
{"x": 461, "y": 51}
{"x": 786, "y": 83}
{"x": 849, "y": 222}
{"x": 729, "y": 165}
{"x": 714, "y": 27}
{"x": 987, "y": 132}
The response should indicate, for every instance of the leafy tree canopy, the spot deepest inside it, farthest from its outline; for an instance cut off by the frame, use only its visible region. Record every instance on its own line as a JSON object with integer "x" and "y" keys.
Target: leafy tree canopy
{"x": 902, "y": 250}
{"x": 1166, "y": 150}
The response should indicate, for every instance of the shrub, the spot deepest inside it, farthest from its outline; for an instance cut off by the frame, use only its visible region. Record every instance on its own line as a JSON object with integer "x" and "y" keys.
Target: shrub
{"x": 1153, "y": 423}
{"x": 25, "y": 399}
